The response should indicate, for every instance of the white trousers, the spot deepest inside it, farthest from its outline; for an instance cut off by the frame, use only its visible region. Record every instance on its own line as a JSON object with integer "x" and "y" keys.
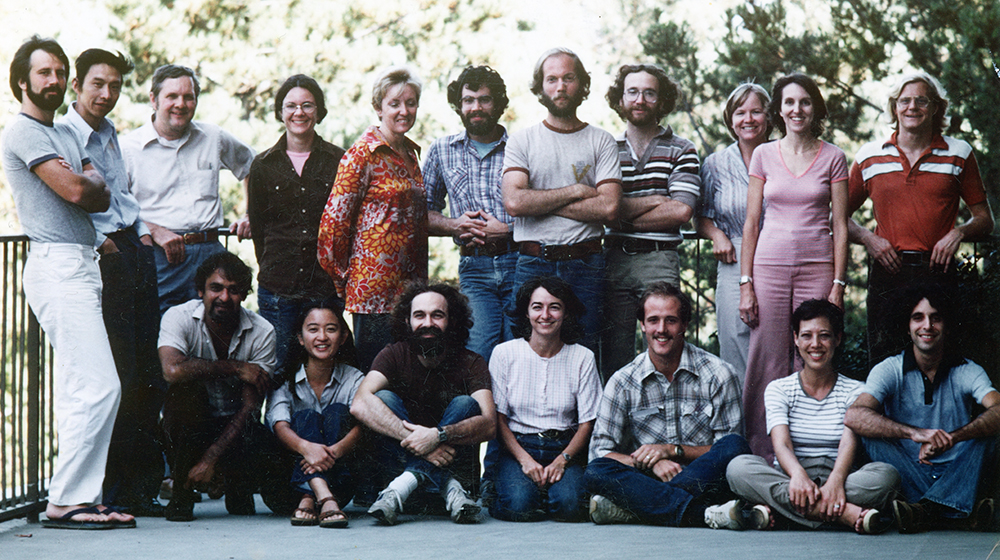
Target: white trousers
{"x": 62, "y": 283}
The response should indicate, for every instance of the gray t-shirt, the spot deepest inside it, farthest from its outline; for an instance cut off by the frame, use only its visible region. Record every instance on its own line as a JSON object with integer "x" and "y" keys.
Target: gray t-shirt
{"x": 554, "y": 159}
{"x": 45, "y": 216}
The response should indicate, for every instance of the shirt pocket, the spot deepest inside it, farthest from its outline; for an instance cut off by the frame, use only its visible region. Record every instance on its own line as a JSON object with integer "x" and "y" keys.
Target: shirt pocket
{"x": 696, "y": 420}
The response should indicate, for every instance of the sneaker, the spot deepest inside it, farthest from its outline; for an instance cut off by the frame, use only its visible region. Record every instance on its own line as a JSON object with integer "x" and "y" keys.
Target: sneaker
{"x": 737, "y": 516}
{"x": 387, "y": 507}
{"x": 910, "y": 518}
{"x": 604, "y": 512}
{"x": 872, "y": 522}
{"x": 462, "y": 508}
{"x": 487, "y": 493}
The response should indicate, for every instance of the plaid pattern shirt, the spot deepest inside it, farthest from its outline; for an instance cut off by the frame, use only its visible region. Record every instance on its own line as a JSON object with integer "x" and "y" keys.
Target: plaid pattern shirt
{"x": 454, "y": 170}
{"x": 639, "y": 406}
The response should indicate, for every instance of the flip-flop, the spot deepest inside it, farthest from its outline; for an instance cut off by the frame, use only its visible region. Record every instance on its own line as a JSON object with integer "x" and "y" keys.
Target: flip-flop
{"x": 118, "y": 524}
{"x": 324, "y": 518}
{"x": 66, "y": 521}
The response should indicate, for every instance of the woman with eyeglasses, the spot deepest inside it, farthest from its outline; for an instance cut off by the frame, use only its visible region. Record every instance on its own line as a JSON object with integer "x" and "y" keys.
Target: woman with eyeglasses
{"x": 288, "y": 187}
{"x": 373, "y": 235}
{"x": 794, "y": 239}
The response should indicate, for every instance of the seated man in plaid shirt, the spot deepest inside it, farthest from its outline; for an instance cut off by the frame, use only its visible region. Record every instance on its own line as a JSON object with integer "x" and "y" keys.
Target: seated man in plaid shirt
{"x": 667, "y": 427}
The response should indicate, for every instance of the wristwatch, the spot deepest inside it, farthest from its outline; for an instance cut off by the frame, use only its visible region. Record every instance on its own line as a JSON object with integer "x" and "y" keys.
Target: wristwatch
{"x": 442, "y": 435}
{"x": 567, "y": 456}
{"x": 745, "y": 280}
{"x": 678, "y": 451}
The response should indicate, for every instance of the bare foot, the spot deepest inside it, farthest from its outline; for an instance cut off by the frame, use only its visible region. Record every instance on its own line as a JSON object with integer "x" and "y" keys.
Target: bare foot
{"x": 53, "y": 511}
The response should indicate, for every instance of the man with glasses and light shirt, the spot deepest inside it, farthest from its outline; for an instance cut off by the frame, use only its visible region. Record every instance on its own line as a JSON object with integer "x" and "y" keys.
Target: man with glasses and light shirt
{"x": 661, "y": 181}
{"x": 466, "y": 168}
{"x": 915, "y": 179}
{"x": 173, "y": 165}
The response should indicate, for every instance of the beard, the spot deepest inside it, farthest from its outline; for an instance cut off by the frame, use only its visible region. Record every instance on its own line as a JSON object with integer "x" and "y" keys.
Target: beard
{"x": 483, "y": 128}
{"x": 224, "y": 313}
{"x": 429, "y": 347}
{"x": 44, "y": 100}
{"x": 561, "y": 112}
{"x": 651, "y": 116}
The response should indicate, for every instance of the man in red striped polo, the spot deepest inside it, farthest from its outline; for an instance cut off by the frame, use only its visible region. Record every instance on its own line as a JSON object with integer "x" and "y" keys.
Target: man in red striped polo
{"x": 915, "y": 179}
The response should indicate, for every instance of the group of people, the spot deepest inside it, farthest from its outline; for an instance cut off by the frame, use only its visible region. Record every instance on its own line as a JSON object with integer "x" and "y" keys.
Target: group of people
{"x": 568, "y": 239}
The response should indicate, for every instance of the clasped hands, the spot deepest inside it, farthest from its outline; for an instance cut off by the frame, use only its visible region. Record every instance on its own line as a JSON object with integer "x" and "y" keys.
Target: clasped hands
{"x": 423, "y": 442}
{"x": 653, "y": 457}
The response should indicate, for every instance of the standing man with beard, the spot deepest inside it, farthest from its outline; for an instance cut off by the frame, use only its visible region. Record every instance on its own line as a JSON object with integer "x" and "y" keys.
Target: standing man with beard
{"x": 217, "y": 358}
{"x": 128, "y": 273}
{"x": 562, "y": 183}
{"x": 661, "y": 181}
{"x": 54, "y": 187}
{"x": 432, "y": 400}
{"x": 466, "y": 168}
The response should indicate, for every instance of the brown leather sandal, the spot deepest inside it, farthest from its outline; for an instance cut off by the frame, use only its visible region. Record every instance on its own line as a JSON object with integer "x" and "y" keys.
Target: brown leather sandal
{"x": 304, "y": 521}
{"x": 339, "y": 520}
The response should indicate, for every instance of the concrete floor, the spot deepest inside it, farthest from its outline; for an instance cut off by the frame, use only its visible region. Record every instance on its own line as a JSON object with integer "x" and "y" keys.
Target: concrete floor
{"x": 216, "y": 535}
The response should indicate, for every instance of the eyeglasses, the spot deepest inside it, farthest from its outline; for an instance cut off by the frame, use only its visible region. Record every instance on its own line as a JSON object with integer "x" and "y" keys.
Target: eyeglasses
{"x": 920, "y": 102}
{"x": 631, "y": 94}
{"x": 484, "y": 101}
{"x": 307, "y": 107}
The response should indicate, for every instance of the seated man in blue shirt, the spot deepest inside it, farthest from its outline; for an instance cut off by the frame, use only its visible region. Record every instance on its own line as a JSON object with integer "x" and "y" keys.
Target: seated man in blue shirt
{"x": 916, "y": 414}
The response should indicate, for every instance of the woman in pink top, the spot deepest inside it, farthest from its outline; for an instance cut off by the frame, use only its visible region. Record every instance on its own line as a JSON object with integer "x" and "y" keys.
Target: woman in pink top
{"x": 799, "y": 185}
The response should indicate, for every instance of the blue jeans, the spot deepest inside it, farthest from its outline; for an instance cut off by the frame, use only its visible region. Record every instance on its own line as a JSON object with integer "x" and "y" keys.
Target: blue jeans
{"x": 681, "y": 501}
{"x": 489, "y": 284}
{"x": 327, "y": 429}
{"x": 175, "y": 282}
{"x": 585, "y": 276}
{"x": 432, "y": 478}
{"x": 952, "y": 484}
{"x": 283, "y": 312}
{"x": 520, "y": 499}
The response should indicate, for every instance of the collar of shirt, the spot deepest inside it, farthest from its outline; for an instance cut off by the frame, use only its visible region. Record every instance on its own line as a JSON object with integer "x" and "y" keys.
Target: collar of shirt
{"x": 937, "y": 142}
{"x": 83, "y": 130}
{"x": 463, "y": 139}
{"x": 246, "y": 323}
{"x": 373, "y": 139}
{"x": 664, "y": 132}
{"x": 686, "y": 365}
{"x": 944, "y": 369}
{"x": 281, "y": 146}
{"x": 336, "y": 376}
{"x": 147, "y": 134}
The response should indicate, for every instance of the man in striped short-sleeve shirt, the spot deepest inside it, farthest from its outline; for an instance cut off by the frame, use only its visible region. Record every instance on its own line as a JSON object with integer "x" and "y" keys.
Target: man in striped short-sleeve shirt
{"x": 915, "y": 180}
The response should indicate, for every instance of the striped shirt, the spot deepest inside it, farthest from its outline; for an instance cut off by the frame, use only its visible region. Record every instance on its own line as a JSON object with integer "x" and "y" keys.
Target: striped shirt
{"x": 538, "y": 394}
{"x": 725, "y": 182}
{"x": 915, "y": 206}
{"x": 816, "y": 426}
{"x": 701, "y": 406}
{"x": 454, "y": 169}
{"x": 669, "y": 167}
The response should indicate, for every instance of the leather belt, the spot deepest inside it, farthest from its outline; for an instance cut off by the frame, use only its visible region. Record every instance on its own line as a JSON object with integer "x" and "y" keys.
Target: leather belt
{"x": 635, "y": 245}
{"x": 561, "y": 252}
{"x": 552, "y": 434}
{"x": 491, "y": 248}
{"x": 196, "y": 237}
{"x": 915, "y": 258}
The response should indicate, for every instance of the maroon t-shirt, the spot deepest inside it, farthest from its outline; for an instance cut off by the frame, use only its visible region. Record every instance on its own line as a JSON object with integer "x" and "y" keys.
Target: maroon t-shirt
{"x": 426, "y": 393}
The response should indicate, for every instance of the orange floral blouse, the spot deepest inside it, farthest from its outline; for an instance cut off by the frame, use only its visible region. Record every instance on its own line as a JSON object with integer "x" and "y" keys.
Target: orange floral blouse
{"x": 372, "y": 259}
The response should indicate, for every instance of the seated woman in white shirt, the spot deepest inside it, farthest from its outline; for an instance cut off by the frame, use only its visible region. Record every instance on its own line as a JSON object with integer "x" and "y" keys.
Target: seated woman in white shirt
{"x": 310, "y": 415}
{"x": 814, "y": 481}
{"x": 547, "y": 391}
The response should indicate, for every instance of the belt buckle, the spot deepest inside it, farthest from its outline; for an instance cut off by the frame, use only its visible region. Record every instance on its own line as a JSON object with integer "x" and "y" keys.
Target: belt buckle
{"x": 626, "y": 251}
{"x": 192, "y": 237}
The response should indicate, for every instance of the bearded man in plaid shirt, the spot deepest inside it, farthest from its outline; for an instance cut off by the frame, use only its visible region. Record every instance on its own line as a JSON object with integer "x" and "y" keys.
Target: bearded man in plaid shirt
{"x": 667, "y": 427}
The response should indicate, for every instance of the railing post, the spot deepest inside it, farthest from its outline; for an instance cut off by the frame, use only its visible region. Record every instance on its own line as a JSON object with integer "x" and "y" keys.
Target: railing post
{"x": 34, "y": 413}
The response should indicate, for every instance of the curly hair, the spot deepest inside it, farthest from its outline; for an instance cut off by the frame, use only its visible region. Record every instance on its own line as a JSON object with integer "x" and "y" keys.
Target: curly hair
{"x": 581, "y": 72}
{"x": 942, "y": 298}
{"x": 459, "y": 313}
{"x": 232, "y": 267}
{"x": 572, "y": 327}
{"x": 476, "y": 77}
{"x": 808, "y": 84}
{"x": 297, "y": 355}
{"x": 667, "y": 89}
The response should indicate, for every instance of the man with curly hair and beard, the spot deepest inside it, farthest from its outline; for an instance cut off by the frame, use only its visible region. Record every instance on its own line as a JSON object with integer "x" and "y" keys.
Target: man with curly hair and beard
{"x": 432, "y": 400}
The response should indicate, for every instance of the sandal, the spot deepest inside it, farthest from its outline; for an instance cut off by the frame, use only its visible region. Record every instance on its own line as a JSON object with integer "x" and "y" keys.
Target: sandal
{"x": 298, "y": 521}
{"x": 871, "y": 522}
{"x": 339, "y": 518}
